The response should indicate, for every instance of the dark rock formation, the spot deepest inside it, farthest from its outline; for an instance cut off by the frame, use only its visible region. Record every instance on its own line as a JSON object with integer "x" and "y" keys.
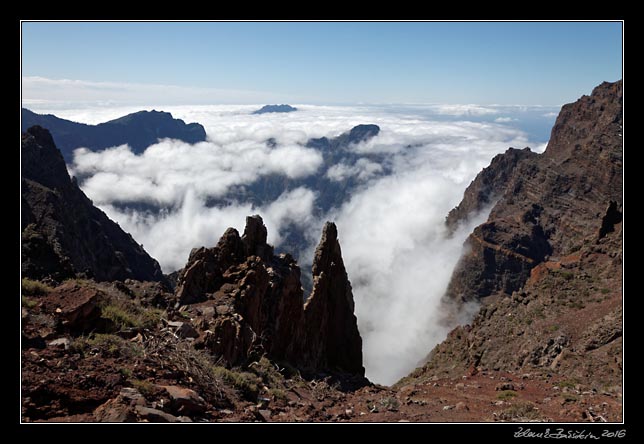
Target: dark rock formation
{"x": 253, "y": 303}
{"x": 139, "y": 130}
{"x": 63, "y": 234}
{"x": 333, "y": 340}
{"x": 548, "y": 204}
{"x": 275, "y": 109}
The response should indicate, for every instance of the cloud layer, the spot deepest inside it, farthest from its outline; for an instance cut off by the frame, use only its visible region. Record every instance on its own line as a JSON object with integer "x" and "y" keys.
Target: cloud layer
{"x": 165, "y": 172}
{"x": 391, "y": 229}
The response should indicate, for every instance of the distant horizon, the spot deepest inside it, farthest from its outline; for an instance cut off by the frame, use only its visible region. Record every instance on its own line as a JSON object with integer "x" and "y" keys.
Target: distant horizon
{"x": 318, "y": 63}
{"x": 535, "y": 120}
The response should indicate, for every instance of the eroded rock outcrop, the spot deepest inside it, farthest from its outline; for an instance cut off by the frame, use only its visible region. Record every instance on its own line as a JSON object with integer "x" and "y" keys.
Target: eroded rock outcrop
{"x": 252, "y": 303}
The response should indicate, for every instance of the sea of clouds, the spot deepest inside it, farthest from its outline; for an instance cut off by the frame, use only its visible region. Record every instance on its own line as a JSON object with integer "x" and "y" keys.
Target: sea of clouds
{"x": 391, "y": 228}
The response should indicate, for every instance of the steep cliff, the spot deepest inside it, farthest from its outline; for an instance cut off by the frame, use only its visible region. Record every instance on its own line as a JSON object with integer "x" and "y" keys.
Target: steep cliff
{"x": 63, "y": 234}
{"x": 547, "y": 264}
{"x": 549, "y": 205}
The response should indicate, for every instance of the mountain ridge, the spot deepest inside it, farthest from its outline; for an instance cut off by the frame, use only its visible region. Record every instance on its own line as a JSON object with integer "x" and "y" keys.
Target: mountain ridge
{"x": 139, "y": 130}
{"x": 275, "y": 109}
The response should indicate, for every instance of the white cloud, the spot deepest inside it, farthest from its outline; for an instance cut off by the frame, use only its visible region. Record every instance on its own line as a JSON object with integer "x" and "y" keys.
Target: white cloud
{"x": 397, "y": 255}
{"x": 166, "y": 171}
{"x": 391, "y": 229}
{"x": 466, "y": 110}
{"x": 363, "y": 169}
{"x": 170, "y": 235}
{"x": 550, "y": 114}
{"x": 505, "y": 119}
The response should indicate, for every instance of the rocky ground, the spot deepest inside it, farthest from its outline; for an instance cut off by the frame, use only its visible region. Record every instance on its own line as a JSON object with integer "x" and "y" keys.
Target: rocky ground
{"x": 103, "y": 352}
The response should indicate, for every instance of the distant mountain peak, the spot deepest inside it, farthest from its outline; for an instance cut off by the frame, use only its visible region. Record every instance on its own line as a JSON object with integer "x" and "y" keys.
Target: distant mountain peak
{"x": 275, "y": 109}
{"x": 361, "y": 133}
{"x": 138, "y": 130}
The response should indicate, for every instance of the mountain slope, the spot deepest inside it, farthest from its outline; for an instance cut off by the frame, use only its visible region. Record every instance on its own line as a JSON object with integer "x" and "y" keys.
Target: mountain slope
{"x": 547, "y": 265}
{"x": 138, "y": 130}
{"x": 63, "y": 234}
{"x": 551, "y": 204}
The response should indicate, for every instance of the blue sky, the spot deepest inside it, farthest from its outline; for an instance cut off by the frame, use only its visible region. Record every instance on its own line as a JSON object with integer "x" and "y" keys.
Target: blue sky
{"x": 548, "y": 63}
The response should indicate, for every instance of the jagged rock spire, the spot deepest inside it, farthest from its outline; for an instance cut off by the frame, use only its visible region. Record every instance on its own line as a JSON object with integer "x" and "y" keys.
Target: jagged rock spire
{"x": 333, "y": 339}
{"x": 259, "y": 302}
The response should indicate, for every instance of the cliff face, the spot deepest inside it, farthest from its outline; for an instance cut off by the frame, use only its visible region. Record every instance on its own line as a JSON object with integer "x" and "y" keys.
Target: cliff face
{"x": 549, "y": 205}
{"x": 488, "y": 185}
{"x": 550, "y": 254}
{"x": 63, "y": 234}
{"x": 251, "y": 303}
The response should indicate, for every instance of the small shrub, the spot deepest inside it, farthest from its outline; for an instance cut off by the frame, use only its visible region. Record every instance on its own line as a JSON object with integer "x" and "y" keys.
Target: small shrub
{"x": 520, "y": 411}
{"x": 81, "y": 282}
{"x": 568, "y": 383}
{"x": 278, "y": 394}
{"x": 390, "y": 403}
{"x": 322, "y": 390}
{"x": 553, "y": 328}
{"x": 267, "y": 371}
{"x": 108, "y": 345}
{"x": 506, "y": 394}
{"x": 127, "y": 314}
{"x": 120, "y": 317}
{"x": 245, "y": 383}
{"x": 28, "y": 302}
{"x": 605, "y": 290}
{"x": 31, "y": 287}
{"x": 146, "y": 388}
{"x": 567, "y": 275}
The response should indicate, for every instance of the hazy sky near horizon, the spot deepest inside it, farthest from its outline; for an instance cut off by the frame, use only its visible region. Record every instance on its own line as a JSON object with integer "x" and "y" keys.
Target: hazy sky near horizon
{"x": 149, "y": 63}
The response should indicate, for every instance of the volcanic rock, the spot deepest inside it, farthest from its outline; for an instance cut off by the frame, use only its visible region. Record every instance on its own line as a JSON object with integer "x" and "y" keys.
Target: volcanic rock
{"x": 259, "y": 303}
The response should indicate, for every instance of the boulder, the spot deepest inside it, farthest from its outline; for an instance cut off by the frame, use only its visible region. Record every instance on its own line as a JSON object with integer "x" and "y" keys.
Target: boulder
{"x": 184, "y": 400}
